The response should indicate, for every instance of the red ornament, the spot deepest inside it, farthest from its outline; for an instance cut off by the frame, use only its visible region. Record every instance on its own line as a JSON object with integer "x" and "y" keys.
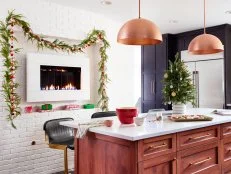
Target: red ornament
{"x": 12, "y": 76}
{"x": 11, "y": 54}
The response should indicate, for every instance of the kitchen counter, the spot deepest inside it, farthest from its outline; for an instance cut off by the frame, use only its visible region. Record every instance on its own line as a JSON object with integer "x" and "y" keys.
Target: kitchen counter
{"x": 154, "y": 129}
{"x": 158, "y": 147}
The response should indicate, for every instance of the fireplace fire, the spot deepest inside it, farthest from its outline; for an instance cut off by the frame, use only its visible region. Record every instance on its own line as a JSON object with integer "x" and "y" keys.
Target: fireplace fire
{"x": 60, "y": 78}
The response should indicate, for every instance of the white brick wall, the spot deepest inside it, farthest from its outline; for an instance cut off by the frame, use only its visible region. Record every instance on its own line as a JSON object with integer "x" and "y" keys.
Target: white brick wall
{"x": 17, "y": 155}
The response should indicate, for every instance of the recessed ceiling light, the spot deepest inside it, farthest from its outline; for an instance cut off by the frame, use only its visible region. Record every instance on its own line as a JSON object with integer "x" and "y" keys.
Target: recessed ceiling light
{"x": 228, "y": 12}
{"x": 172, "y": 21}
{"x": 106, "y": 2}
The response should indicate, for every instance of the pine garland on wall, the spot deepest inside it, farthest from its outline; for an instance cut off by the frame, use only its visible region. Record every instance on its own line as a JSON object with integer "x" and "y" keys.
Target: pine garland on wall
{"x": 8, "y": 52}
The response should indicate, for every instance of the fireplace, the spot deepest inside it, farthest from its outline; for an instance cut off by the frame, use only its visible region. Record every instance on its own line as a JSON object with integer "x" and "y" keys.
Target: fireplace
{"x": 57, "y": 77}
{"x": 60, "y": 78}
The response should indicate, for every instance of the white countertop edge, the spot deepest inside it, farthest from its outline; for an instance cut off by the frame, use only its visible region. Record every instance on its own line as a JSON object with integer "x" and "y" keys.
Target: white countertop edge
{"x": 151, "y": 135}
{"x": 116, "y": 132}
{"x": 156, "y": 134}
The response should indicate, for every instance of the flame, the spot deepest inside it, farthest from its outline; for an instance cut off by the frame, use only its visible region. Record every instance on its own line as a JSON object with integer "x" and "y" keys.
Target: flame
{"x": 69, "y": 86}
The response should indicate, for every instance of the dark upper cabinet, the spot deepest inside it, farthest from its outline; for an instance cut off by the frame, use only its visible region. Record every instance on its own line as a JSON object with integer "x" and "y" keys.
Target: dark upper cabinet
{"x": 188, "y": 39}
{"x": 227, "y": 75}
{"x": 149, "y": 86}
{"x": 146, "y": 105}
{"x": 149, "y": 53}
{"x": 154, "y": 63}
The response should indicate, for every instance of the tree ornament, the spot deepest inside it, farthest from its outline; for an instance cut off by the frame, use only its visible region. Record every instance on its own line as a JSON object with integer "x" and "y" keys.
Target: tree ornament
{"x": 171, "y": 86}
{"x": 173, "y": 94}
{"x": 165, "y": 75}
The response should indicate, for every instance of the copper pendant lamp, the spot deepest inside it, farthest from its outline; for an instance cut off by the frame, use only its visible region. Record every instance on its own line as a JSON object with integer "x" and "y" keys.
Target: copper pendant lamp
{"x": 139, "y": 32}
{"x": 205, "y": 43}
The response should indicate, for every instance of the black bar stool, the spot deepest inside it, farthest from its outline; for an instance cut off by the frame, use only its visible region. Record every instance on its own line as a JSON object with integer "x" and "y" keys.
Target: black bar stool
{"x": 59, "y": 137}
{"x": 103, "y": 114}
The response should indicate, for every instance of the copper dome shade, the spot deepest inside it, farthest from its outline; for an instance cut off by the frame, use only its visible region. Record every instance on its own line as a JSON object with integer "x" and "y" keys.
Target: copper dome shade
{"x": 139, "y": 32}
{"x": 205, "y": 44}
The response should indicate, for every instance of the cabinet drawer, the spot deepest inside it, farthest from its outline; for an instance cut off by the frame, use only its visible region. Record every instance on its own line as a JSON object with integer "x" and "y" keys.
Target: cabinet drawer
{"x": 197, "y": 137}
{"x": 226, "y": 154}
{"x": 201, "y": 159}
{"x": 165, "y": 164}
{"x": 157, "y": 146}
{"x": 226, "y": 130}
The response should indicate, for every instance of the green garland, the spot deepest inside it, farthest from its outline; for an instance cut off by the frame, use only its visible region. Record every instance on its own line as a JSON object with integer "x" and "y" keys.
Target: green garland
{"x": 8, "y": 52}
{"x": 178, "y": 87}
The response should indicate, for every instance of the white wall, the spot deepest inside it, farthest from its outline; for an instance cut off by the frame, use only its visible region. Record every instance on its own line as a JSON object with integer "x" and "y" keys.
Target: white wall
{"x": 16, "y": 153}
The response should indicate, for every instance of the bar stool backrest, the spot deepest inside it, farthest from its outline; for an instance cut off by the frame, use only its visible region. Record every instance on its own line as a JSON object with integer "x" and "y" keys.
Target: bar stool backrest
{"x": 103, "y": 114}
{"x": 57, "y": 132}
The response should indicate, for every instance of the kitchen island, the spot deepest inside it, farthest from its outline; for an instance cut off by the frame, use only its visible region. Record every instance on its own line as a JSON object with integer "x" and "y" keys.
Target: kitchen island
{"x": 160, "y": 147}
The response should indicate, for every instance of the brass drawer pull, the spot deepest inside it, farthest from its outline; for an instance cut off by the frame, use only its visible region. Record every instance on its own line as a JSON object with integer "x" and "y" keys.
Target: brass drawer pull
{"x": 203, "y": 136}
{"x": 200, "y": 162}
{"x": 157, "y": 147}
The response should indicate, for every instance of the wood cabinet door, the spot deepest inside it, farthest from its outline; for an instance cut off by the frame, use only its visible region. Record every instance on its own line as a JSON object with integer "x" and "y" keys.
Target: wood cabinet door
{"x": 162, "y": 165}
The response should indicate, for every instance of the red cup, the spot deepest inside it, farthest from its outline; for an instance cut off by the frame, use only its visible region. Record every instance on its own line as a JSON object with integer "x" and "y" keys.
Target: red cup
{"x": 126, "y": 114}
{"x": 28, "y": 109}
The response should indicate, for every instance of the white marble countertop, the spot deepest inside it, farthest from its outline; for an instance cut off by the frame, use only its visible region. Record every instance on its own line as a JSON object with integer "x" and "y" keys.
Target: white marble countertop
{"x": 154, "y": 129}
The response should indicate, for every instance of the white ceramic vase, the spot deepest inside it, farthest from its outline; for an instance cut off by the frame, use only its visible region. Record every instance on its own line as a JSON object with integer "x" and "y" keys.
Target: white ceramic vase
{"x": 179, "y": 108}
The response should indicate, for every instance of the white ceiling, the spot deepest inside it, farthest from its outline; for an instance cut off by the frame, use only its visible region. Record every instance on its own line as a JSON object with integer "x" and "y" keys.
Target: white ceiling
{"x": 188, "y": 13}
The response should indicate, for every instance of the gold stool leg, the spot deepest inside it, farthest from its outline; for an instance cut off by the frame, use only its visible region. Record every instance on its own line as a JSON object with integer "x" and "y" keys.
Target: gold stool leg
{"x": 65, "y": 161}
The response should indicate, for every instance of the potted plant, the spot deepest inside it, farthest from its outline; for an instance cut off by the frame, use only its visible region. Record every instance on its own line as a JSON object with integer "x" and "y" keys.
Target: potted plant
{"x": 178, "y": 88}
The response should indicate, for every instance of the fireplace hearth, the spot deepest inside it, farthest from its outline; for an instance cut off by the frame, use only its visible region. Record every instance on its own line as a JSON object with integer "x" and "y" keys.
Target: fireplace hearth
{"x": 60, "y": 78}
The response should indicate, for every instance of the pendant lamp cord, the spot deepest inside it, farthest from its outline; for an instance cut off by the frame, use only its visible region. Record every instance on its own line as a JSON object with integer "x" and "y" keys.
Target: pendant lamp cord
{"x": 204, "y": 17}
{"x": 139, "y": 9}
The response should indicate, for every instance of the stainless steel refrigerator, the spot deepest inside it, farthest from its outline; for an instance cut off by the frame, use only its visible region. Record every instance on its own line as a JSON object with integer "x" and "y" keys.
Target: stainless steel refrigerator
{"x": 208, "y": 78}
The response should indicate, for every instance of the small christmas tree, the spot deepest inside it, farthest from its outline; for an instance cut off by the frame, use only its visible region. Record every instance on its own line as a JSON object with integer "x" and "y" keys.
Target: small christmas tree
{"x": 178, "y": 86}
